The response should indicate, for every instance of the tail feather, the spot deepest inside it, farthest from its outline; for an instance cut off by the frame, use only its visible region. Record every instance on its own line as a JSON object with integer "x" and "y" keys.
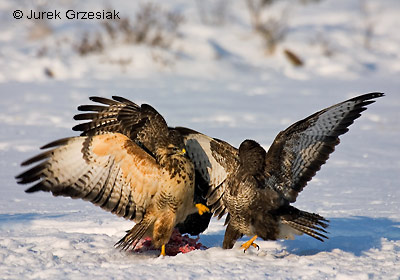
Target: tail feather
{"x": 311, "y": 224}
{"x": 130, "y": 240}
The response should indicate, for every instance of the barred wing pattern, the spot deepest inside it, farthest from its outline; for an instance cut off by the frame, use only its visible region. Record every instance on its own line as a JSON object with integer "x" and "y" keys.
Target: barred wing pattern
{"x": 108, "y": 170}
{"x": 298, "y": 152}
{"x": 128, "y": 162}
{"x": 139, "y": 123}
{"x": 126, "y": 117}
{"x": 215, "y": 160}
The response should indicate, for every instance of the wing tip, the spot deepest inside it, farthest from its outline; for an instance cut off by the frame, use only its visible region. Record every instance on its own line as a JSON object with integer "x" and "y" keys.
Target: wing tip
{"x": 56, "y": 143}
{"x": 103, "y": 100}
{"x": 36, "y": 188}
{"x": 124, "y": 101}
{"x": 368, "y": 96}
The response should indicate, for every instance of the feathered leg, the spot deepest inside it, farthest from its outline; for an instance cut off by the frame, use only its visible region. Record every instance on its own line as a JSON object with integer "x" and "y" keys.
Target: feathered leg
{"x": 231, "y": 235}
{"x": 162, "y": 231}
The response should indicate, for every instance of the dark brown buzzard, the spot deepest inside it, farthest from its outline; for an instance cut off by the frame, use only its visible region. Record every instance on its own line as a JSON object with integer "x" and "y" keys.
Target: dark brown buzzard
{"x": 256, "y": 188}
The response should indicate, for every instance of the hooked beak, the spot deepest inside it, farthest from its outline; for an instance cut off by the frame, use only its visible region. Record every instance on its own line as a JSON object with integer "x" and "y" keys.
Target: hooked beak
{"x": 182, "y": 152}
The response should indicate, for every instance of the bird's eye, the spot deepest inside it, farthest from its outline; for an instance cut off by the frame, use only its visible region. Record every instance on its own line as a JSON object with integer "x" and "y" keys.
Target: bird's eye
{"x": 173, "y": 148}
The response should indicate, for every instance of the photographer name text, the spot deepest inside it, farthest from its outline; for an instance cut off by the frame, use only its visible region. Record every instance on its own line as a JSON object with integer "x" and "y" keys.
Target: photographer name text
{"x": 70, "y": 14}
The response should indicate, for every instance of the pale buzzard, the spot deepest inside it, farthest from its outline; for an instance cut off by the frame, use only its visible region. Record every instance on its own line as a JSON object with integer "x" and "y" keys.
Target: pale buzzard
{"x": 142, "y": 174}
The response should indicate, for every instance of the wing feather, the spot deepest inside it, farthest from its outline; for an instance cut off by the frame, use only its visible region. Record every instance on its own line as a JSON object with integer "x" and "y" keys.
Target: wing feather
{"x": 139, "y": 123}
{"x": 298, "y": 152}
{"x": 109, "y": 170}
{"x": 214, "y": 159}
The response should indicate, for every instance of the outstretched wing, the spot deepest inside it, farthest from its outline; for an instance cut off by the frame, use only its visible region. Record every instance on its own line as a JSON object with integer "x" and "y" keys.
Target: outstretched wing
{"x": 298, "y": 152}
{"x": 214, "y": 160}
{"x": 118, "y": 115}
{"x": 139, "y": 123}
{"x": 108, "y": 170}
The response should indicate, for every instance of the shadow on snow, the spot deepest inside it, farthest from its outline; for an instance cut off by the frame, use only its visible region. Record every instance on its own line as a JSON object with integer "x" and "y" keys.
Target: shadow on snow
{"x": 354, "y": 235}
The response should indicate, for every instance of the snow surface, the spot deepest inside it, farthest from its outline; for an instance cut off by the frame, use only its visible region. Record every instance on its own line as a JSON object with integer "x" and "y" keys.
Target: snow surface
{"x": 219, "y": 82}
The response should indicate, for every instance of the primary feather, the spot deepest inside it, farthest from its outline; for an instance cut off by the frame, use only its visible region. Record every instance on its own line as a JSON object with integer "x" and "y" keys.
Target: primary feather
{"x": 253, "y": 186}
{"x": 138, "y": 123}
{"x": 258, "y": 192}
{"x": 147, "y": 179}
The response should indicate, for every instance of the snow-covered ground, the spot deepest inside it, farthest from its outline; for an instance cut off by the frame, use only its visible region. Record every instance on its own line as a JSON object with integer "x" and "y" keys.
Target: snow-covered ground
{"x": 216, "y": 78}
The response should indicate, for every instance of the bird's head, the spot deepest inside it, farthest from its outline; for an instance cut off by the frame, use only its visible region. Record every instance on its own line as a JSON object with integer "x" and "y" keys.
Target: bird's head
{"x": 252, "y": 155}
{"x": 172, "y": 145}
{"x": 175, "y": 150}
{"x": 176, "y": 144}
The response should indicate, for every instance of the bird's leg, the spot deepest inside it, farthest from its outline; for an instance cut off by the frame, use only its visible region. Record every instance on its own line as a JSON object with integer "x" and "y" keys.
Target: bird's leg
{"x": 231, "y": 235}
{"x": 249, "y": 243}
{"x": 163, "y": 250}
{"x": 162, "y": 230}
{"x": 202, "y": 208}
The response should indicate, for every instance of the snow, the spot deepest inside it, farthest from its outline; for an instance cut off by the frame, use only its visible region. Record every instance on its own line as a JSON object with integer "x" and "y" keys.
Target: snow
{"x": 217, "y": 79}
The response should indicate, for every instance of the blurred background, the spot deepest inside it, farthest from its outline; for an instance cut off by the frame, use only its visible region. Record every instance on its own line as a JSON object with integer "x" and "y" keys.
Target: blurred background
{"x": 213, "y": 39}
{"x": 235, "y": 57}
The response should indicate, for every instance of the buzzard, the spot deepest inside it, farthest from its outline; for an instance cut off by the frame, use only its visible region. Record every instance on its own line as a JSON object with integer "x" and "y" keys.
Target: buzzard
{"x": 253, "y": 186}
{"x": 140, "y": 172}
{"x": 259, "y": 185}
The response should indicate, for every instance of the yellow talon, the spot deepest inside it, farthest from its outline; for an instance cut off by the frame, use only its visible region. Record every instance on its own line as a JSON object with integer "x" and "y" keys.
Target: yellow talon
{"x": 163, "y": 251}
{"x": 202, "y": 208}
{"x": 249, "y": 243}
